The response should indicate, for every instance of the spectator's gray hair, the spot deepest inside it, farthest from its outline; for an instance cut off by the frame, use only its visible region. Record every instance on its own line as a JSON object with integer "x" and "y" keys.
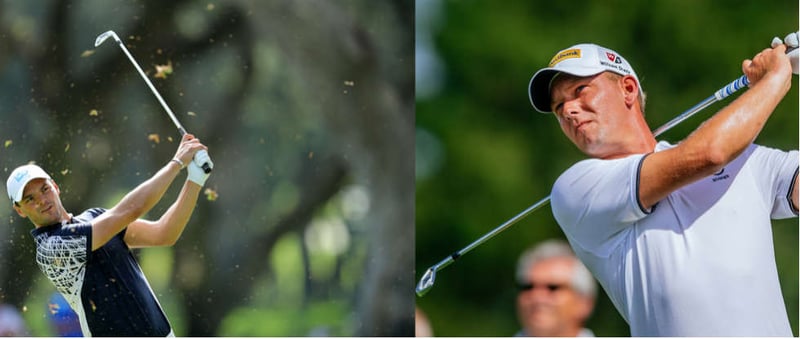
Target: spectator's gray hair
{"x": 582, "y": 280}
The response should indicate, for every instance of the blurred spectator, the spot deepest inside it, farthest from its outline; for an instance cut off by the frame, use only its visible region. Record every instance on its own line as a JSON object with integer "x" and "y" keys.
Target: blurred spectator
{"x": 556, "y": 292}
{"x": 63, "y": 319}
{"x": 11, "y": 322}
{"x": 422, "y": 327}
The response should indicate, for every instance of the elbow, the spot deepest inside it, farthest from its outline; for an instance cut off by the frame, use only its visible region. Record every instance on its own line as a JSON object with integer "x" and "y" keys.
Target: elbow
{"x": 166, "y": 238}
{"x": 716, "y": 156}
{"x": 715, "y": 161}
{"x": 169, "y": 242}
{"x": 707, "y": 159}
{"x": 132, "y": 211}
{"x": 171, "y": 239}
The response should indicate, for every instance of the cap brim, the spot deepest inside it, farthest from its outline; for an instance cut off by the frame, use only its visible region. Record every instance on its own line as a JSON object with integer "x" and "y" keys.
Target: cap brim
{"x": 539, "y": 89}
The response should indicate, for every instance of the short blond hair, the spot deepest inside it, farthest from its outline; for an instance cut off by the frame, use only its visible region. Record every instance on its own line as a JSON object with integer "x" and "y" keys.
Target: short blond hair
{"x": 642, "y": 95}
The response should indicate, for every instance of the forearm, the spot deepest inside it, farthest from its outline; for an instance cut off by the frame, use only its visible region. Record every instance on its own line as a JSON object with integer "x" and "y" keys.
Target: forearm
{"x": 139, "y": 201}
{"x": 133, "y": 205}
{"x": 174, "y": 220}
{"x": 728, "y": 133}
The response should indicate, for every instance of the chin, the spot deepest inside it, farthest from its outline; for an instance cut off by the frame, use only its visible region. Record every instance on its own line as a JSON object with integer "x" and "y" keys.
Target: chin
{"x": 594, "y": 151}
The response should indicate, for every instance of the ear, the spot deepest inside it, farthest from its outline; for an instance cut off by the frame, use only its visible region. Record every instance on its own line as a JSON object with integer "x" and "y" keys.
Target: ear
{"x": 19, "y": 211}
{"x": 631, "y": 89}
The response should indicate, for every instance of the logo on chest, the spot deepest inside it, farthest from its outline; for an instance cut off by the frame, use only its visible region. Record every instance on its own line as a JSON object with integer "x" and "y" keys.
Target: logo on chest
{"x": 720, "y": 175}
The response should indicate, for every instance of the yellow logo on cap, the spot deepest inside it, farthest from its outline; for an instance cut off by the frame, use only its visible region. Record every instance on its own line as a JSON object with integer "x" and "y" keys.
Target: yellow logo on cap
{"x": 563, "y": 55}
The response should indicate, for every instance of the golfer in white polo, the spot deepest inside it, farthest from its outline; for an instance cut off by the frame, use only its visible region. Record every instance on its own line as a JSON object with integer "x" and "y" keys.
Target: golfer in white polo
{"x": 679, "y": 236}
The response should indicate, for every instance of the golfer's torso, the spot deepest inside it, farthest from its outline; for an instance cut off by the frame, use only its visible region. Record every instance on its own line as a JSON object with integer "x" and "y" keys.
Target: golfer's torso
{"x": 116, "y": 297}
{"x": 105, "y": 287}
{"x": 702, "y": 263}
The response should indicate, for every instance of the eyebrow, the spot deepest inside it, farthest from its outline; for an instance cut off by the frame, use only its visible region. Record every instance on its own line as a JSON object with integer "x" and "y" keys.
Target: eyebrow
{"x": 44, "y": 183}
{"x": 569, "y": 81}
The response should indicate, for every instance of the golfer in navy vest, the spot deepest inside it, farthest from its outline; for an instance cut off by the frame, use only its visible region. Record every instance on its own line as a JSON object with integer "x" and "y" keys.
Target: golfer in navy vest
{"x": 88, "y": 256}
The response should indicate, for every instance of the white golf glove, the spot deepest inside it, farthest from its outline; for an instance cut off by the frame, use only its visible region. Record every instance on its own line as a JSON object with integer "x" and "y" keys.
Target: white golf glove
{"x": 792, "y": 43}
{"x": 196, "y": 173}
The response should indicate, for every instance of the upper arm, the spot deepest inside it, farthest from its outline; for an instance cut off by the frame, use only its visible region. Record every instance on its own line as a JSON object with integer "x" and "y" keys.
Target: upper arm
{"x": 144, "y": 233}
{"x": 138, "y": 232}
{"x": 594, "y": 200}
{"x": 106, "y": 226}
{"x": 664, "y": 172}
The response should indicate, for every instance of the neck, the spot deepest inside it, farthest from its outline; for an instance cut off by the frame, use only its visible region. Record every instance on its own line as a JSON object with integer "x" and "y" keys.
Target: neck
{"x": 637, "y": 139}
{"x": 641, "y": 146}
{"x": 64, "y": 217}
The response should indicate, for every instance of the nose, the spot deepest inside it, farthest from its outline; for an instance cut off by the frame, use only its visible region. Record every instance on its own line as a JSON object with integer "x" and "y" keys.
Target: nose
{"x": 38, "y": 201}
{"x": 571, "y": 108}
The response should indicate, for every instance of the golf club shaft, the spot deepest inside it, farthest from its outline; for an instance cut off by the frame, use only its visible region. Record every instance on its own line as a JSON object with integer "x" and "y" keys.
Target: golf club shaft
{"x": 153, "y": 89}
{"x": 201, "y": 155}
{"x": 719, "y": 95}
{"x": 426, "y": 283}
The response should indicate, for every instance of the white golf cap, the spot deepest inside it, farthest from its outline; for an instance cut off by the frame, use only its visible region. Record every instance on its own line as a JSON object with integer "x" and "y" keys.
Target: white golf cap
{"x": 20, "y": 177}
{"x": 580, "y": 60}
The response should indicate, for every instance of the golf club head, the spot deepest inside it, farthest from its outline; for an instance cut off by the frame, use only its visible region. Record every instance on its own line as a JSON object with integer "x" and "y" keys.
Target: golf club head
{"x": 426, "y": 283}
{"x": 102, "y": 37}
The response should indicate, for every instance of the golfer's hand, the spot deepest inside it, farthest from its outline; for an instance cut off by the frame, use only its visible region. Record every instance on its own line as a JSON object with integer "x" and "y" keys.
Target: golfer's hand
{"x": 187, "y": 149}
{"x": 791, "y": 42}
{"x": 771, "y": 63}
{"x": 196, "y": 174}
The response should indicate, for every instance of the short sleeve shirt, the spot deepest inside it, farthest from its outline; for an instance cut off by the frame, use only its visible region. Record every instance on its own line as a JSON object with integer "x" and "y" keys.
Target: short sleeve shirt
{"x": 105, "y": 287}
{"x": 701, "y": 262}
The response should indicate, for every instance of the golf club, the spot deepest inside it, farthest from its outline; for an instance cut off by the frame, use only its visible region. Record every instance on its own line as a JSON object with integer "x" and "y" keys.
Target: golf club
{"x": 427, "y": 280}
{"x": 201, "y": 157}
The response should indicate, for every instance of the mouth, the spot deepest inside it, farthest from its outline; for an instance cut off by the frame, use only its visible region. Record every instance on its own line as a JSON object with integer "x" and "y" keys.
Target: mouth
{"x": 47, "y": 209}
{"x": 540, "y": 310}
{"x": 579, "y": 126}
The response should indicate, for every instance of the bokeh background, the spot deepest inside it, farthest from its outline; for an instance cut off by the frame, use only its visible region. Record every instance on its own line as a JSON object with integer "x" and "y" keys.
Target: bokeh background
{"x": 307, "y": 109}
{"x": 483, "y": 154}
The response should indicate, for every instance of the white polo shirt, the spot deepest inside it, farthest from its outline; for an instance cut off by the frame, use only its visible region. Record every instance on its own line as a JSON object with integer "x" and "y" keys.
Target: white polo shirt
{"x": 702, "y": 262}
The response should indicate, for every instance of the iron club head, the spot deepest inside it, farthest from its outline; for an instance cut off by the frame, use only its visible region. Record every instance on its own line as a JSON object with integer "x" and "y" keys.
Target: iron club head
{"x": 426, "y": 283}
{"x": 102, "y": 37}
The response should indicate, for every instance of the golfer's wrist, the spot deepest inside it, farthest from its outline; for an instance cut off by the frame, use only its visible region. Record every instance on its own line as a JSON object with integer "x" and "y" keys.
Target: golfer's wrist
{"x": 178, "y": 162}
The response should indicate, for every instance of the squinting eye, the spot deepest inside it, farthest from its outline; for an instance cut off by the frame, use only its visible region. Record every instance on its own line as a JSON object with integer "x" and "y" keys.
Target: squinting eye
{"x": 558, "y": 108}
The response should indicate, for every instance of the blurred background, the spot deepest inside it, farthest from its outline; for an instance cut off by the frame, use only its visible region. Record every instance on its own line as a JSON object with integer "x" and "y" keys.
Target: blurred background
{"x": 483, "y": 154}
{"x": 307, "y": 109}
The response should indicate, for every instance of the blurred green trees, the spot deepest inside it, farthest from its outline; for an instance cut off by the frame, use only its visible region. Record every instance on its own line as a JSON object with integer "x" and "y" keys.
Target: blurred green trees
{"x": 483, "y": 154}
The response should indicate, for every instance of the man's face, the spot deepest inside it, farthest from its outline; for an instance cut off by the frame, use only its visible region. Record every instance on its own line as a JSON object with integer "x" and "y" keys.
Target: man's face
{"x": 589, "y": 110}
{"x": 551, "y": 307}
{"x": 40, "y": 203}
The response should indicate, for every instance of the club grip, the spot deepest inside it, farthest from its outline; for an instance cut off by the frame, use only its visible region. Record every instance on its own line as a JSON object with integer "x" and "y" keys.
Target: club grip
{"x": 732, "y": 87}
{"x": 202, "y": 158}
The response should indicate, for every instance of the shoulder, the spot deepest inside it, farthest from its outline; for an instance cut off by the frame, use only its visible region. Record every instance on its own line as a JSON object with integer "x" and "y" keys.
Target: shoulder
{"x": 581, "y": 168}
{"x": 88, "y": 215}
{"x": 594, "y": 170}
{"x": 596, "y": 188}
